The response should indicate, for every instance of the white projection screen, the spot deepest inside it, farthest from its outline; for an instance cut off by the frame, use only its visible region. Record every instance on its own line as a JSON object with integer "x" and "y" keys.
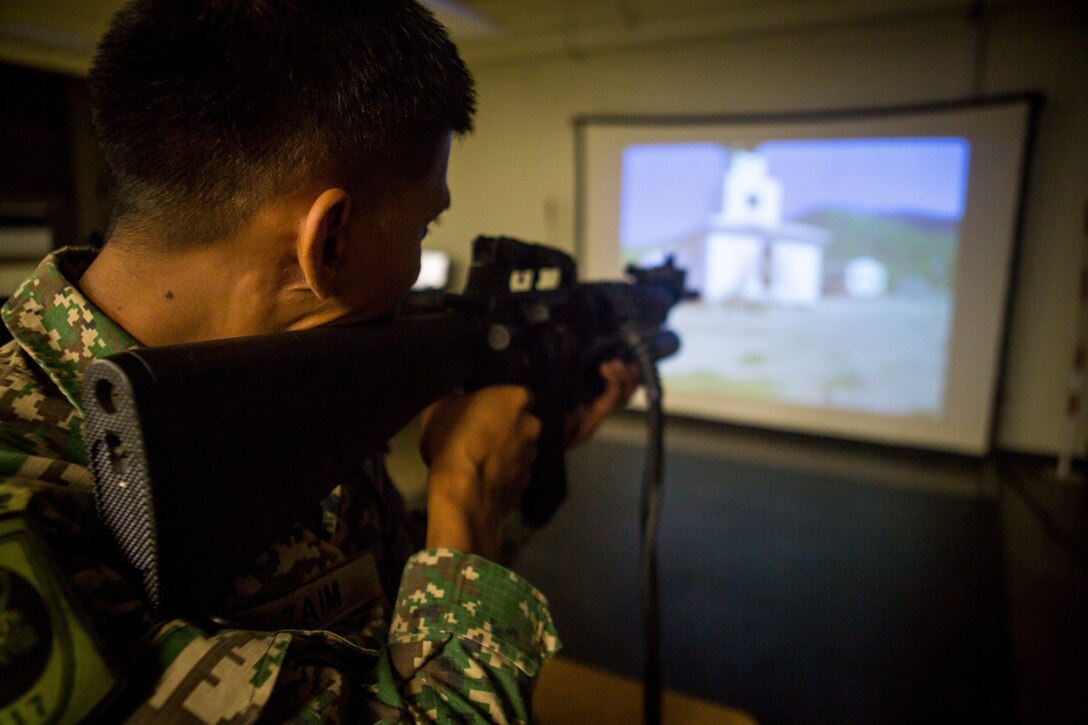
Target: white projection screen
{"x": 853, "y": 267}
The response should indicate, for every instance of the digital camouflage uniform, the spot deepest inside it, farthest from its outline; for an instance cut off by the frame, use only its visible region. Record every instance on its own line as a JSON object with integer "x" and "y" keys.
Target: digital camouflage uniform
{"x": 307, "y": 633}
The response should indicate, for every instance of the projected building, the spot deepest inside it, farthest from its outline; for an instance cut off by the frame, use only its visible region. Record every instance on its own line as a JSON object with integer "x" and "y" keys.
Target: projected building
{"x": 749, "y": 252}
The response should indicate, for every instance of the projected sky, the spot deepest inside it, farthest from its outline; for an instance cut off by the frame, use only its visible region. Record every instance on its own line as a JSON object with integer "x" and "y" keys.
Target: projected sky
{"x": 670, "y": 190}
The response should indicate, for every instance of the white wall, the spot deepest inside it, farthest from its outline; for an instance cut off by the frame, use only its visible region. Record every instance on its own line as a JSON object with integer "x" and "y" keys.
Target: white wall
{"x": 516, "y": 175}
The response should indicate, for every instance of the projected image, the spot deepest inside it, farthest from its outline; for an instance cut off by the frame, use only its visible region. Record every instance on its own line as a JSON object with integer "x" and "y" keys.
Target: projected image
{"x": 825, "y": 266}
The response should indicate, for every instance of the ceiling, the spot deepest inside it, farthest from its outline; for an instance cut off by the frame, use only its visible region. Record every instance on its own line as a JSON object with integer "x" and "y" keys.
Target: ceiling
{"x": 61, "y": 34}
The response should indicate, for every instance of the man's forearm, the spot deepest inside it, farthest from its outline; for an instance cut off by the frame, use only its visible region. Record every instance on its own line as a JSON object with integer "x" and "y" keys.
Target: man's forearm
{"x": 452, "y": 525}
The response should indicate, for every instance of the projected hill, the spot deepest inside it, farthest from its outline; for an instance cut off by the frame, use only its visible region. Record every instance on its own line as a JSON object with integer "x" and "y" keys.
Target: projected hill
{"x": 919, "y": 252}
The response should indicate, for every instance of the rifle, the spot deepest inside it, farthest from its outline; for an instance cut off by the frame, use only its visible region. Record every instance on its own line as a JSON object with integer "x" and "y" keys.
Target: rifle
{"x": 204, "y": 453}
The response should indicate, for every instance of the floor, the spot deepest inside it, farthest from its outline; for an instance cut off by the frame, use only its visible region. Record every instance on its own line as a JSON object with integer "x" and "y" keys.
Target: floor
{"x": 812, "y": 581}
{"x": 568, "y": 692}
{"x": 1045, "y": 524}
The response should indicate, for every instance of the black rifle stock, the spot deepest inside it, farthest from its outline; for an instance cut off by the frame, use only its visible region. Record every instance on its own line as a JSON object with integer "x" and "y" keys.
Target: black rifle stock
{"x": 203, "y": 454}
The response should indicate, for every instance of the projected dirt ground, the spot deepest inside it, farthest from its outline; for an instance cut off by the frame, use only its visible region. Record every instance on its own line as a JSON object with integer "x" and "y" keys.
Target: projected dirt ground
{"x": 883, "y": 356}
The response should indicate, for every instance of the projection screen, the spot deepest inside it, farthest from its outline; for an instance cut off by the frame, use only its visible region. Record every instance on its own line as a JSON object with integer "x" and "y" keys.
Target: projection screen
{"x": 853, "y": 267}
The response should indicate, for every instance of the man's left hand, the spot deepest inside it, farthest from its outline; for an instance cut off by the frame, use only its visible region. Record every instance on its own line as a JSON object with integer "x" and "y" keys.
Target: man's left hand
{"x": 620, "y": 382}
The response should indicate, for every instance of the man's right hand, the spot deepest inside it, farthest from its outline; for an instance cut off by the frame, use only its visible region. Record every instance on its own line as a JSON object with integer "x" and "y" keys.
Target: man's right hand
{"x": 479, "y": 448}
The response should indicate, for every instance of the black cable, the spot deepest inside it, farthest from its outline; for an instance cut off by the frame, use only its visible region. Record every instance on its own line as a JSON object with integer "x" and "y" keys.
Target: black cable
{"x": 650, "y": 515}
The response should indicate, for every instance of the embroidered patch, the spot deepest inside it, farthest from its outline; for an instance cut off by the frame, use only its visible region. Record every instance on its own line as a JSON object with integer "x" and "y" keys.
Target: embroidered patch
{"x": 51, "y": 670}
{"x": 318, "y": 603}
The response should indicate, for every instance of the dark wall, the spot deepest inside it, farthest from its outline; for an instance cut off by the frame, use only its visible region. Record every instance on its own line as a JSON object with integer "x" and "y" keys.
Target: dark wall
{"x": 52, "y": 170}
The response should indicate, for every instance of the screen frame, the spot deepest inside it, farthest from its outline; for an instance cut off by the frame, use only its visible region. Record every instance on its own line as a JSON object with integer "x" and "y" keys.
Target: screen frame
{"x": 856, "y": 426}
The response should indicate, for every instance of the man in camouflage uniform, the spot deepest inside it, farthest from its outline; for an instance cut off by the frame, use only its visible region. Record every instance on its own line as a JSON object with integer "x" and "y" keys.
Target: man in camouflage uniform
{"x": 276, "y": 164}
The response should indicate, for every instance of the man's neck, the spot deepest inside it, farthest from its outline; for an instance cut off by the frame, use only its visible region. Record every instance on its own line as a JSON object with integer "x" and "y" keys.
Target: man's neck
{"x": 171, "y": 297}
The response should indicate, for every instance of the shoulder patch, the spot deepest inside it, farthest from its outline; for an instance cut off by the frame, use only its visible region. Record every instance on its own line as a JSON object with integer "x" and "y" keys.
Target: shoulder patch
{"x": 51, "y": 669}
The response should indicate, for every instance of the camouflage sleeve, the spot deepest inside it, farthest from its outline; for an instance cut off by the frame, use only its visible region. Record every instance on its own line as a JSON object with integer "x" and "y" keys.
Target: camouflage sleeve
{"x": 465, "y": 643}
{"x": 467, "y": 639}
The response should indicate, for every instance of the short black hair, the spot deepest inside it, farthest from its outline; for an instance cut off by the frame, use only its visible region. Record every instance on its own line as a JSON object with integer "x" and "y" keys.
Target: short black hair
{"x": 207, "y": 109}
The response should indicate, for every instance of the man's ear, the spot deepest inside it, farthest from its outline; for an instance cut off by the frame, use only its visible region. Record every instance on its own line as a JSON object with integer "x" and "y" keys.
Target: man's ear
{"x": 321, "y": 241}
